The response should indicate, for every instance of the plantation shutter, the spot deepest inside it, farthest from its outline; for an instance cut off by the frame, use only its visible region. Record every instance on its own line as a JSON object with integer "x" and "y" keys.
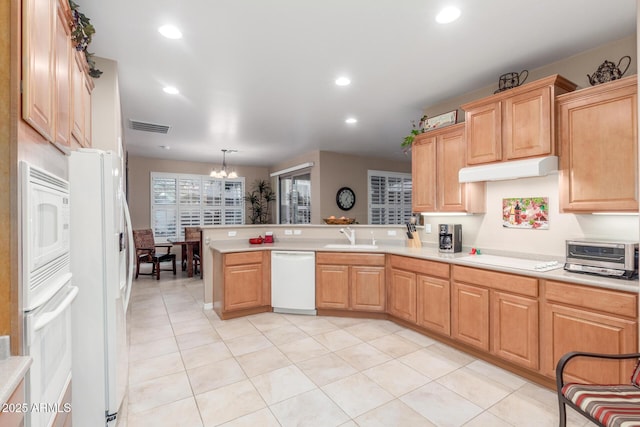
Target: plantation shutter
{"x": 389, "y": 197}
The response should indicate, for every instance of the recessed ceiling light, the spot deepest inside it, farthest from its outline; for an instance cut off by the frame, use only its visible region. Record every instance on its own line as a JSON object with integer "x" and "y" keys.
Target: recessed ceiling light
{"x": 170, "y": 32}
{"x": 171, "y": 90}
{"x": 343, "y": 81}
{"x": 351, "y": 120}
{"x": 448, "y": 14}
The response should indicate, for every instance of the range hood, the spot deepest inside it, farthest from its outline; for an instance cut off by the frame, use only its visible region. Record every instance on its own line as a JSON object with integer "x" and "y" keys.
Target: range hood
{"x": 539, "y": 166}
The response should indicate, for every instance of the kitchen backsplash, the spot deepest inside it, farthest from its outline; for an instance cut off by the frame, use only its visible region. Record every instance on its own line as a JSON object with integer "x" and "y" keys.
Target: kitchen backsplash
{"x": 486, "y": 231}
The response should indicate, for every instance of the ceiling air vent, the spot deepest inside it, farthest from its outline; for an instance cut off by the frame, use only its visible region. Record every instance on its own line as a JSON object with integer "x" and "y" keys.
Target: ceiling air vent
{"x": 148, "y": 127}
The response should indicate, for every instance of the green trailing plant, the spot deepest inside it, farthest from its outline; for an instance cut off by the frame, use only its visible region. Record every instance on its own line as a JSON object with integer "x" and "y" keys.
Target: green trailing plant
{"x": 259, "y": 200}
{"x": 415, "y": 131}
{"x": 82, "y": 32}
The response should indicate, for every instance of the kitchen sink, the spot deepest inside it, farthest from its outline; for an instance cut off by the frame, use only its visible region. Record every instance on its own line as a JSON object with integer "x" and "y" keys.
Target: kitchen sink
{"x": 348, "y": 246}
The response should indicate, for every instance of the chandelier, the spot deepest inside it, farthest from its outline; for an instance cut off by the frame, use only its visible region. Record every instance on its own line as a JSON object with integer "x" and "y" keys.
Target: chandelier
{"x": 223, "y": 172}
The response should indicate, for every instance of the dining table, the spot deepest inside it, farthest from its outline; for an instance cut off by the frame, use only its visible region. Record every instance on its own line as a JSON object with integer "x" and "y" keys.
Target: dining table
{"x": 188, "y": 247}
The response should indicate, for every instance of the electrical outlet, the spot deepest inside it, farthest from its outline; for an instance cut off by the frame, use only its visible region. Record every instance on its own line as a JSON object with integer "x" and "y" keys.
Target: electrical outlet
{"x": 427, "y": 228}
{"x": 288, "y": 232}
{"x": 232, "y": 233}
{"x": 297, "y": 232}
{"x": 391, "y": 232}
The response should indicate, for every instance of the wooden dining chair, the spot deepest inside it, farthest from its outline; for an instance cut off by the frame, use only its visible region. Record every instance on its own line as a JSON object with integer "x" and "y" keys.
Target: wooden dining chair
{"x": 146, "y": 253}
{"x": 193, "y": 233}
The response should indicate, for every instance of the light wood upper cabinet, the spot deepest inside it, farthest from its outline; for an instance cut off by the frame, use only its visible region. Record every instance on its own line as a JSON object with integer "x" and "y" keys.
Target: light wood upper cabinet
{"x": 514, "y": 124}
{"x": 82, "y": 87}
{"x": 350, "y": 281}
{"x": 436, "y": 157}
{"x": 38, "y": 69}
{"x": 598, "y": 133}
{"x": 63, "y": 58}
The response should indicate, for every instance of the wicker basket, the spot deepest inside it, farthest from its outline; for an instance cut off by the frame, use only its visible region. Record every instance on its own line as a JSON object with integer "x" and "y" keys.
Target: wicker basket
{"x": 339, "y": 221}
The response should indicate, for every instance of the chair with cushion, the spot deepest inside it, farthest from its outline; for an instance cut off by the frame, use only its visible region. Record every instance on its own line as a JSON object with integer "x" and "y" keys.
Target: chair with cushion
{"x": 191, "y": 234}
{"x": 607, "y": 405}
{"x": 146, "y": 253}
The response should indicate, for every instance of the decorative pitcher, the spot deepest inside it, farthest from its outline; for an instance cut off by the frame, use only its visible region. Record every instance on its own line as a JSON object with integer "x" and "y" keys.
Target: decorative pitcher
{"x": 511, "y": 80}
{"x": 609, "y": 71}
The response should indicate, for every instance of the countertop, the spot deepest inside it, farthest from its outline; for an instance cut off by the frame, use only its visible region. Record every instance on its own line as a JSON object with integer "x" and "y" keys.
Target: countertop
{"x": 432, "y": 253}
{"x": 12, "y": 371}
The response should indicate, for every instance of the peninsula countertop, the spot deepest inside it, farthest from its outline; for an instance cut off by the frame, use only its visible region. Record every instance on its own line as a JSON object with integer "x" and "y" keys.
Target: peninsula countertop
{"x": 432, "y": 253}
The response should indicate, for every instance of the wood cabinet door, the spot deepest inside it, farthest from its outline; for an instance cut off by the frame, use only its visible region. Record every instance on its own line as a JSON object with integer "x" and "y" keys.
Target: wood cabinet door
{"x": 402, "y": 295}
{"x": 86, "y": 104}
{"x": 598, "y": 130}
{"x": 566, "y": 329}
{"x": 38, "y": 80}
{"x": 514, "y": 329}
{"x": 470, "y": 315}
{"x": 63, "y": 54}
{"x": 78, "y": 110}
{"x": 243, "y": 286}
{"x": 527, "y": 128}
{"x": 423, "y": 174}
{"x": 332, "y": 286}
{"x": 451, "y": 149}
{"x": 434, "y": 304}
{"x": 483, "y": 125}
{"x": 367, "y": 288}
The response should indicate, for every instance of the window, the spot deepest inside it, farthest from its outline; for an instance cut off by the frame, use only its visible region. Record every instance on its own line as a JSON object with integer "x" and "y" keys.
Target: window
{"x": 389, "y": 197}
{"x": 179, "y": 201}
{"x": 295, "y": 198}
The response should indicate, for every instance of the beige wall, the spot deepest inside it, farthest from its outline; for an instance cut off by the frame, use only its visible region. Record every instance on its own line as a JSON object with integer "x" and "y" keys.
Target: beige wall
{"x": 575, "y": 68}
{"x": 338, "y": 170}
{"x": 139, "y": 173}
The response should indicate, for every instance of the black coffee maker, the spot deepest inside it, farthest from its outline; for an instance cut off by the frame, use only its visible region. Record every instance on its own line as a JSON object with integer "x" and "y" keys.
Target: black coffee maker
{"x": 450, "y": 238}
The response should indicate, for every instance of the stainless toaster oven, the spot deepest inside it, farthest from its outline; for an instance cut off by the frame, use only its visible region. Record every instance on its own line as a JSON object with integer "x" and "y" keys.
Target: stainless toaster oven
{"x": 602, "y": 257}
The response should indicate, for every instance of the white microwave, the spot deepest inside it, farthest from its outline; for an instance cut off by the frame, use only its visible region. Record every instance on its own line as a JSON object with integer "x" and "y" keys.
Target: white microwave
{"x": 45, "y": 235}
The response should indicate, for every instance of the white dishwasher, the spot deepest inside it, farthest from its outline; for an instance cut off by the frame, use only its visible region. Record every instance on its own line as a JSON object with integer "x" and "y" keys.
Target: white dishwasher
{"x": 293, "y": 282}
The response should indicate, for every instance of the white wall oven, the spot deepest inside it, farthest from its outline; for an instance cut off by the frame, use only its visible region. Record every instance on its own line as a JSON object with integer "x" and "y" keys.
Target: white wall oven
{"x": 47, "y": 291}
{"x": 45, "y": 216}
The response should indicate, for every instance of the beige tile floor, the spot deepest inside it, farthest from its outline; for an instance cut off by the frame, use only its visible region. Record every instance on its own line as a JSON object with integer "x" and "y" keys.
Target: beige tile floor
{"x": 188, "y": 368}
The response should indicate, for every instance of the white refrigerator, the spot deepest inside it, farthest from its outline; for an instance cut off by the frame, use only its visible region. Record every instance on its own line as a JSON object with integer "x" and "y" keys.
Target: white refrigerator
{"x": 102, "y": 252}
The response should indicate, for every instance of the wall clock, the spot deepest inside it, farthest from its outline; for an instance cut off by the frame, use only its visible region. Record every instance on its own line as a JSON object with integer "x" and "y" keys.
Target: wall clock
{"x": 345, "y": 198}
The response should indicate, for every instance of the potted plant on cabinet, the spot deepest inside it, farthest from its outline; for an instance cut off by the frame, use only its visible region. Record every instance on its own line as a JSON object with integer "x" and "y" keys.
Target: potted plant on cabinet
{"x": 415, "y": 131}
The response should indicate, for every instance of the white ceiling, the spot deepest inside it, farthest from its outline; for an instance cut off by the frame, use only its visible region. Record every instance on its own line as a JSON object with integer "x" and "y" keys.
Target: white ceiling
{"x": 257, "y": 76}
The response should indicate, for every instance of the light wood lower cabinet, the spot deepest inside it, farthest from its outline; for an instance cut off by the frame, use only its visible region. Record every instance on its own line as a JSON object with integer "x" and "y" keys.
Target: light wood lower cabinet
{"x": 419, "y": 292}
{"x": 470, "y": 315}
{"x": 10, "y": 417}
{"x": 241, "y": 283}
{"x": 403, "y": 295}
{"x": 581, "y": 318}
{"x": 514, "y": 328}
{"x": 498, "y": 313}
{"x": 348, "y": 281}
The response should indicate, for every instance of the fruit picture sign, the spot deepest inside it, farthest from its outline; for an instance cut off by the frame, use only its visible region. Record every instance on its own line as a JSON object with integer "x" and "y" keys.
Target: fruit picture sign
{"x": 526, "y": 212}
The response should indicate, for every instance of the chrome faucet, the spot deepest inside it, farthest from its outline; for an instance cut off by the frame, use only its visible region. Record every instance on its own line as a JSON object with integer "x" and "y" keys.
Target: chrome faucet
{"x": 350, "y": 234}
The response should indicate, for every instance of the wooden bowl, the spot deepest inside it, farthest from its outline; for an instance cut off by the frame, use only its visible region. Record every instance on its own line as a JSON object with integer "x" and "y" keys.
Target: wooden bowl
{"x": 339, "y": 221}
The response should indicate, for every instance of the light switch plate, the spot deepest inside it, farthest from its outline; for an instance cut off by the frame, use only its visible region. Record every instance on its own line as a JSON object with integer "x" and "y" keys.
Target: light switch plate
{"x": 391, "y": 232}
{"x": 232, "y": 233}
{"x": 427, "y": 228}
{"x": 297, "y": 232}
{"x": 288, "y": 232}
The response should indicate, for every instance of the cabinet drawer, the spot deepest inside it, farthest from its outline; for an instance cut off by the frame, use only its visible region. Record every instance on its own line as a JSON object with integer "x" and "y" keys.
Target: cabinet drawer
{"x": 501, "y": 281}
{"x": 239, "y": 258}
{"x": 421, "y": 266}
{"x": 341, "y": 258}
{"x": 605, "y": 300}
